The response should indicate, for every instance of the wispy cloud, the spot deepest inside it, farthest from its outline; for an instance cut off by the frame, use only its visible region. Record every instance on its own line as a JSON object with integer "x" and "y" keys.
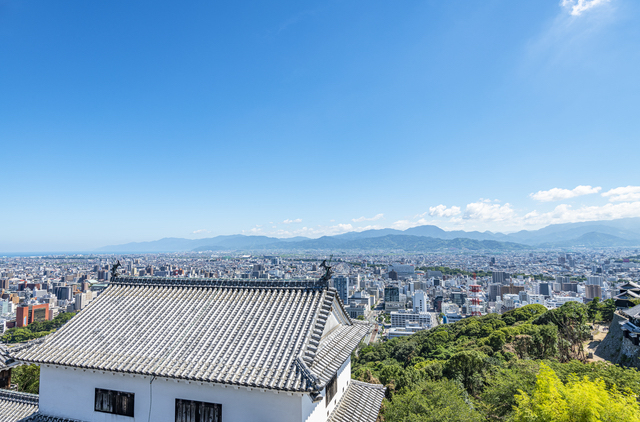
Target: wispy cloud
{"x": 200, "y": 231}
{"x": 558, "y": 194}
{"x": 443, "y": 211}
{"x": 374, "y": 218}
{"x": 623, "y": 194}
{"x": 313, "y": 232}
{"x": 577, "y": 7}
{"x": 297, "y": 220}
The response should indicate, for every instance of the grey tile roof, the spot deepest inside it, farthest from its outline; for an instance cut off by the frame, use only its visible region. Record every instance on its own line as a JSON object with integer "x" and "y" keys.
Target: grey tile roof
{"x": 633, "y": 312}
{"x": 37, "y": 417}
{"x": 15, "y": 406}
{"x": 257, "y": 334}
{"x": 336, "y": 348}
{"x": 360, "y": 403}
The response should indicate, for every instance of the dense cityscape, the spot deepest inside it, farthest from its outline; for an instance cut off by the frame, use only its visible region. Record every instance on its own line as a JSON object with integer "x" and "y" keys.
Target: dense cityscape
{"x": 415, "y": 292}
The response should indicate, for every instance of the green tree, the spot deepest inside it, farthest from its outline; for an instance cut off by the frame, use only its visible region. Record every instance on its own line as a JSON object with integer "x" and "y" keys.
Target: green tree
{"x": 607, "y": 308}
{"x": 466, "y": 366}
{"x": 27, "y": 377}
{"x": 431, "y": 401}
{"x": 593, "y": 308}
{"x": 579, "y": 400}
{"x": 571, "y": 320}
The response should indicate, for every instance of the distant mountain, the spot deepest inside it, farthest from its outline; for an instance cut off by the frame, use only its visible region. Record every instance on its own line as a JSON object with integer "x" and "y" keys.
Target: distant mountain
{"x": 391, "y": 242}
{"x": 231, "y": 242}
{"x": 614, "y": 233}
{"x": 592, "y": 240}
{"x": 627, "y": 228}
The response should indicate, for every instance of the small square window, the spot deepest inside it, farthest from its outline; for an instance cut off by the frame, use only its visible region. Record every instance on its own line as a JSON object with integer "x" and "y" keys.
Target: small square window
{"x": 197, "y": 411}
{"x": 116, "y": 402}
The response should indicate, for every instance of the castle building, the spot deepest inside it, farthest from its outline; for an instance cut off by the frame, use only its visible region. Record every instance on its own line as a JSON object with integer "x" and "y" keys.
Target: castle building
{"x": 201, "y": 350}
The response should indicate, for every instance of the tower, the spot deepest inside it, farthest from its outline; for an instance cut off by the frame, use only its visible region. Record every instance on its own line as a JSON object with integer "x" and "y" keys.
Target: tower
{"x": 474, "y": 299}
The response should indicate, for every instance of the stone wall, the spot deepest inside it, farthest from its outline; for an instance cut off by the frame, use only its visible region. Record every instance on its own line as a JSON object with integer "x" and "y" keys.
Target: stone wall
{"x": 617, "y": 349}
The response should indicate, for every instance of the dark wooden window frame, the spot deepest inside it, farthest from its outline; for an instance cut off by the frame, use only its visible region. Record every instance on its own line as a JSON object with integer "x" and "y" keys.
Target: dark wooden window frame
{"x": 332, "y": 389}
{"x": 201, "y": 411}
{"x": 118, "y": 402}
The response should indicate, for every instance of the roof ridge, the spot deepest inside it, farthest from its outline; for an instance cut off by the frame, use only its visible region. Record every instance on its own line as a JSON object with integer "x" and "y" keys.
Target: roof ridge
{"x": 220, "y": 283}
{"x": 19, "y": 397}
{"x": 368, "y": 384}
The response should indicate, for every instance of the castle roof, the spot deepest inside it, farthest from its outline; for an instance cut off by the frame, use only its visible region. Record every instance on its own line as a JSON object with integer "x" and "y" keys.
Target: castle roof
{"x": 15, "y": 406}
{"x": 282, "y": 335}
{"x": 360, "y": 403}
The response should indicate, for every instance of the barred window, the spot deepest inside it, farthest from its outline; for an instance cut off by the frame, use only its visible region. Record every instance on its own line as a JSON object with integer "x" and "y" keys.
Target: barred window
{"x": 197, "y": 411}
{"x": 116, "y": 402}
{"x": 332, "y": 388}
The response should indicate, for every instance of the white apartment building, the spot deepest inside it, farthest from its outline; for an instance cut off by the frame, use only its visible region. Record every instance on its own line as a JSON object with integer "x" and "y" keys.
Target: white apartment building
{"x": 401, "y": 318}
{"x": 420, "y": 301}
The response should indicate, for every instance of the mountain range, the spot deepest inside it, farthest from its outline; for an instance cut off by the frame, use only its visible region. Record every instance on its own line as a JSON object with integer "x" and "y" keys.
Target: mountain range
{"x": 611, "y": 233}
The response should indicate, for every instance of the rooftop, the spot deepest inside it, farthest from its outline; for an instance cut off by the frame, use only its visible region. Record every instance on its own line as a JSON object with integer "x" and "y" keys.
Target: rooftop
{"x": 281, "y": 335}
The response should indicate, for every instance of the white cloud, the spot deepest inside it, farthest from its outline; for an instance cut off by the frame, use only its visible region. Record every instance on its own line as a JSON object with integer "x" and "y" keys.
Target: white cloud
{"x": 557, "y": 194}
{"x": 200, "y": 231}
{"x": 579, "y": 6}
{"x": 443, "y": 211}
{"x": 485, "y": 211}
{"x": 374, "y": 218}
{"x": 564, "y": 213}
{"x": 623, "y": 194}
{"x": 297, "y": 220}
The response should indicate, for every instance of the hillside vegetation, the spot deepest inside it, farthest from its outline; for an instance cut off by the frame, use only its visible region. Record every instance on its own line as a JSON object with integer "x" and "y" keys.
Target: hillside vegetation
{"x": 524, "y": 365}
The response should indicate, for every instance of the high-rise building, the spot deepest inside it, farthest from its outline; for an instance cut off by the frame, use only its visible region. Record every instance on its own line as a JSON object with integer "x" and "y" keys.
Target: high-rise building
{"x": 494, "y": 291}
{"x": 545, "y": 289}
{"x": 391, "y": 294}
{"x": 420, "y": 301}
{"x": 26, "y": 314}
{"x": 341, "y": 284}
{"x": 592, "y": 291}
{"x": 510, "y": 290}
{"x": 63, "y": 292}
{"x": 500, "y": 277}
{"x": 595, "y": 280}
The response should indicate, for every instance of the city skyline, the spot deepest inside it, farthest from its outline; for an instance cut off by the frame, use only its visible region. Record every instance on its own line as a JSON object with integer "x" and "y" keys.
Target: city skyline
{"x": 134, "y": 122}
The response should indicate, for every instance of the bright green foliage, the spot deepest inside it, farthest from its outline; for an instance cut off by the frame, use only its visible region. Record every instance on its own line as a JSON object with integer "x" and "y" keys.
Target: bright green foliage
{"x": 579, "y": 400}
{"x": 488, "y": 359}
{"x": 27, "y": 377}
{"x": 502, "y": 383}
{"x": 430, "y": 401}
{"x": 36, "y": 329}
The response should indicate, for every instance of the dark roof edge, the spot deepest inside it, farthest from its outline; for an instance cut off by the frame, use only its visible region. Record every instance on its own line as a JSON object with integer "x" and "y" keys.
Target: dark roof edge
{"x": 19, "y": 397}
{"x": 171, "y": 377}
{"x": 218, "y": 282}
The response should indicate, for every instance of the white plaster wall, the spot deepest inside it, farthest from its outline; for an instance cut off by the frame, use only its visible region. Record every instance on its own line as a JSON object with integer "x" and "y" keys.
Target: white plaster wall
{"x": 344, "y": 378}
{"x": 69, "y": 393}
{"x": 332, "y": 322}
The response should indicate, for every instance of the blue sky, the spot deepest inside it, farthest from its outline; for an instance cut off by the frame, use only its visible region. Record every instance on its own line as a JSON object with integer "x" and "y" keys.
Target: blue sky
{"x": 129, "y": 121}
